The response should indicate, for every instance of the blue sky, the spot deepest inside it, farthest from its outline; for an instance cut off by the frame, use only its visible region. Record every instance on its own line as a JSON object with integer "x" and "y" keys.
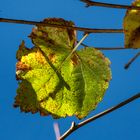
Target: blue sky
{"x": 119, "y": 125}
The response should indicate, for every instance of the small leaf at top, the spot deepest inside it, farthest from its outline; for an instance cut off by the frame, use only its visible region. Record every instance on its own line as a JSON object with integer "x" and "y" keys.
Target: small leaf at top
{"x": 53, "y": 85}
{"x": 132, "y": 27}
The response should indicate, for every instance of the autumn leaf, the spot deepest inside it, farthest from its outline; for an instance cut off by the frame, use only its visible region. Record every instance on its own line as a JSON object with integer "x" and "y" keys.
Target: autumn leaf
{"x": 132, "y": 27}
{"x": 53, "y": 85}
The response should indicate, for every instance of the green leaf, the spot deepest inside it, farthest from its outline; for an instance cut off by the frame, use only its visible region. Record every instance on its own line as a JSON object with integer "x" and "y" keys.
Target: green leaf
{"x": 53, "y": 85}
{"x": 132, "y": 27}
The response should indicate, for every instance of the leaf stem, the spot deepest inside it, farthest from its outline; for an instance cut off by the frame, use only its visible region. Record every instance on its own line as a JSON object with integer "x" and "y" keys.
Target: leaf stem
{"x": 79, "y": 43}
{"x": 74, "y": 126}
{"x": 108, "y": 5}
{"x": 132, "y": 60}
{"x": 89, "y": 30}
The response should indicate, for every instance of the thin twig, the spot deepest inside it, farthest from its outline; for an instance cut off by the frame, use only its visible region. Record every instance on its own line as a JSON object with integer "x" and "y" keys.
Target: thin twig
{"x": 132, "y": 60}
{"x": 111, "y": 49}
{"x": 93, "y": 3}
{"x": 101, "y": 114}
{"x": 89, "y": 30}
{"x": 107, "y": 48}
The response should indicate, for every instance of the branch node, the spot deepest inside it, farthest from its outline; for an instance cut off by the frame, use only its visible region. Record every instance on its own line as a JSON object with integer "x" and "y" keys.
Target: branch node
{"x": 73, "y": 124}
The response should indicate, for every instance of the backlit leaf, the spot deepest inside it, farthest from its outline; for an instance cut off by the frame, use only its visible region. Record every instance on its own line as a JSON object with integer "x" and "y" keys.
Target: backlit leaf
{"x": 132, "y": 27}
{"x": 53, "y": 85}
